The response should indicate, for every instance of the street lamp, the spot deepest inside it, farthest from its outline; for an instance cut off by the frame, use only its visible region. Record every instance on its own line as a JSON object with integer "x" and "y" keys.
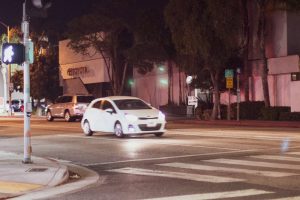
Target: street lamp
{"x": 7, "y": 78}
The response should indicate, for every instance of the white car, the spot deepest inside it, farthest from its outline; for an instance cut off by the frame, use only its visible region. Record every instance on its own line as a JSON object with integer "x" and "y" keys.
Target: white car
{"x": 122, "y": 115}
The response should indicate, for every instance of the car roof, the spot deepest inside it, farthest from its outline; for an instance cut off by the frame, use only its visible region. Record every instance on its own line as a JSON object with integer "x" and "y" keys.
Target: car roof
{"x": 118, "y": 97}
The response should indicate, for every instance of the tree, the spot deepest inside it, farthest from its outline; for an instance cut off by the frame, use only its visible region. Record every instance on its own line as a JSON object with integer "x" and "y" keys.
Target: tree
{"x": 200, "y": 29}
{"x": 117, "y": 32}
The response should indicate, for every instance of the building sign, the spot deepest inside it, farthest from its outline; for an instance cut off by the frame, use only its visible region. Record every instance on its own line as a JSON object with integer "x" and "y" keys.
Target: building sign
{"x": 77, "y": 71}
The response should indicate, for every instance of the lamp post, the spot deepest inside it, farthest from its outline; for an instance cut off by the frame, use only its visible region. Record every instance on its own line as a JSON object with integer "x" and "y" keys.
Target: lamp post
{"x": 6, "y": 78}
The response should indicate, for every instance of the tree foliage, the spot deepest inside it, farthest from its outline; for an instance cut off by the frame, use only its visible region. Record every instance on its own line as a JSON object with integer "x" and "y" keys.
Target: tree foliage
{"x": 126, "y": 33}
{"x": 207, "y": 31}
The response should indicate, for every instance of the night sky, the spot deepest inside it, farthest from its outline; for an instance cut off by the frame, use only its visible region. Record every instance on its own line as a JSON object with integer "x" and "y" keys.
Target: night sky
{"x": 61, "y": 12}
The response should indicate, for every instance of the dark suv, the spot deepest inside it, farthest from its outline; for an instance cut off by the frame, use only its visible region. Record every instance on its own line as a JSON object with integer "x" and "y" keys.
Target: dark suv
{"x": 69, "y": 107}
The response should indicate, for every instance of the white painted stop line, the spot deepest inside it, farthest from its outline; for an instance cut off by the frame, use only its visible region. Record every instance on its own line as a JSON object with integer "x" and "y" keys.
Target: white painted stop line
{"x": 179, "y": 175}
{"x": 227, "y": 169}
{"x": 255, "y": 163}
{"x": 216, "y": 195}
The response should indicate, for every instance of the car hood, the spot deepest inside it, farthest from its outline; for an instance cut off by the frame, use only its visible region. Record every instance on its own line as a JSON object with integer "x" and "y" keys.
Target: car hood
{"x": 145, "y": 113}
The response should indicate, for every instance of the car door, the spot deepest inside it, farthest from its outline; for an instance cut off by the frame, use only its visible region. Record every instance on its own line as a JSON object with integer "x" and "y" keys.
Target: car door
{"x": 109, "y": 116}
{"x": 94, "y": 116}
{"x": 55, "y": 106}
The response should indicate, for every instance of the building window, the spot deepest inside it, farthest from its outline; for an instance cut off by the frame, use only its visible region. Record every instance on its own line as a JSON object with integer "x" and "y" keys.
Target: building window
{"x": 295, "y": 76}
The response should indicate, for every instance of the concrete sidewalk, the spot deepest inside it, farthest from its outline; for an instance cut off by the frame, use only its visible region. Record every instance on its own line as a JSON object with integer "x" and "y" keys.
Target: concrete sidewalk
{"x": 17, "y": 178}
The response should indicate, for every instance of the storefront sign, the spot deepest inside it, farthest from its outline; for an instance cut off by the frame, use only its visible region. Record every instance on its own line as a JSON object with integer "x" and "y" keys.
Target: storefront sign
{"x": 78, "y": 71}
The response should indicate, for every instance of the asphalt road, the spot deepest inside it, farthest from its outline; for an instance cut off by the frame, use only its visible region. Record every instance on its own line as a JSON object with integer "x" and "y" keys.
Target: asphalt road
{"x": 188, "y": 162}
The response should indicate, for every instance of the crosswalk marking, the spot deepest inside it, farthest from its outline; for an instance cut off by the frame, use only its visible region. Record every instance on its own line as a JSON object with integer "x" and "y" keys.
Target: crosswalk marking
{"x": 179, "y": 175}
{"x": 255, "y": 163}
{"x": 227, "y": 169}
{"x": 276, "y": 157}
{"x": 216, "y": 195}
{"x": 288, "y": 198}
{"x": 294, "y": 153}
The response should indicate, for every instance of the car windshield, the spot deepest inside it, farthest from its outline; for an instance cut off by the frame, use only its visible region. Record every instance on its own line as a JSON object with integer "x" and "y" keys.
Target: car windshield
{"x": 85, "y": 99}
{"x": 131, "y": 104}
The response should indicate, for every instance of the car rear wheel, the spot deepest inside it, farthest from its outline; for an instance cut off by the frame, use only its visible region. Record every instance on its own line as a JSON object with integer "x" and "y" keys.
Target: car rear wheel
{"x": 87, "y": 129}
{"x": 49, "y": 116}
{"x": 67, "y": 116}
{"x": 118, "y": 130}
{"x": 158, "y": 134}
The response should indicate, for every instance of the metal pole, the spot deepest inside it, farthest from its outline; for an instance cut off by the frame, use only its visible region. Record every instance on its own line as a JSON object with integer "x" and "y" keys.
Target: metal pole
{"x": 238, "y": 95}
{"x": 27, "y": 103}
{"x": 228, "y": 108}
{"x": 9, "y": 76}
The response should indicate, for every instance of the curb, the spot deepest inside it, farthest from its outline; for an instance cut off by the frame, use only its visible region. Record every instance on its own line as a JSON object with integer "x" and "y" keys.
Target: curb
{"x": 242, "y": 123}
{"x": 88, "y": 178}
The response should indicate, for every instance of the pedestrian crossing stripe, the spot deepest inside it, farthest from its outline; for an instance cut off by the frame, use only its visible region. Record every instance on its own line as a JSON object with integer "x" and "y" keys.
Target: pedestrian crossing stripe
{"x": 288, "y": 198}
{"x": 179, "y": 175}
{"x": 227, "y": 169}
{"x": 255, "y": 163}
{"x": 276, "y": 157}
{"x": 293, "y": 153}
{"x": 216, "y": 195}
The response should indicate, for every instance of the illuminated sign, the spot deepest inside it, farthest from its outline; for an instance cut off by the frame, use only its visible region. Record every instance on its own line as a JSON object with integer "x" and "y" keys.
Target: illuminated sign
{"x": 13, "y": 53}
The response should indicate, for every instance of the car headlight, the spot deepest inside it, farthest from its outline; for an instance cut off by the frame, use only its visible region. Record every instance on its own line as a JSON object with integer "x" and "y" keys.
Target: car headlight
{"x": 131, "y": 118}
{"x": 161, "y": 115}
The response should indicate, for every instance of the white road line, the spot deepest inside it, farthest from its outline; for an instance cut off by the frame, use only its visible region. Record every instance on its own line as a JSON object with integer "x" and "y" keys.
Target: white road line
{"x": 179, "y": 175}
{"x": 227, "y": 169}
{"x": 289, "y": 198}
{"x": 216, "y": 195}
{"x": 171, "y": 143}
{"x": 294, "y": 153}
{"x": 255, "y": 163}
{"x": 276, "y": 157}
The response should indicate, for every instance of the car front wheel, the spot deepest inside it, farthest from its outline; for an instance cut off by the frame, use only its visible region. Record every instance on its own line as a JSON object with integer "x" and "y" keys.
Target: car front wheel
{"x": 67, "y": 116}
{"x": 87, "y": 129}
{"x": 49, "y": 116}
{"x": 118, "y": 130}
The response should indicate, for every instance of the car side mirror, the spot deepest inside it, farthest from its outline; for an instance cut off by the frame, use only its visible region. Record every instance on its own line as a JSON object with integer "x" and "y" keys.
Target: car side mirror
{"x": 109, "y": 110}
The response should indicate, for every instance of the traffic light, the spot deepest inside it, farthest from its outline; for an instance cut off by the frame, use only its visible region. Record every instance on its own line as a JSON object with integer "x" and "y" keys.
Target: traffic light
{"x": 13, "y": 53}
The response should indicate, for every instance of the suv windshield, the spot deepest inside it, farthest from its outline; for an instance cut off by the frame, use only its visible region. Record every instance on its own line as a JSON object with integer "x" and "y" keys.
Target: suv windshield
{"x": 85, "y": 99}
{"x": 131, "y": 104}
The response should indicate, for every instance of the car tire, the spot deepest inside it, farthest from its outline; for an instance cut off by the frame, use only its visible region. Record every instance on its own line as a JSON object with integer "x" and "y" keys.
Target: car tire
{"x": 49, "y": 116}
{"x": 118, "y": 130}
{"x": 87, "y": 129}
{"x": 67, "y": 116}
{"x": 159, "y": 134}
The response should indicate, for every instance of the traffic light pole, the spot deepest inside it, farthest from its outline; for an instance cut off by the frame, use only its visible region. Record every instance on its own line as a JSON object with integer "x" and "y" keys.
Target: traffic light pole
{"x": 27, "y": 103}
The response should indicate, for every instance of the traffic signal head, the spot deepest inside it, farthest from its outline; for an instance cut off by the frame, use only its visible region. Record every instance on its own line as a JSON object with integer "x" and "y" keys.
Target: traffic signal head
{"x": 13, "y": 53}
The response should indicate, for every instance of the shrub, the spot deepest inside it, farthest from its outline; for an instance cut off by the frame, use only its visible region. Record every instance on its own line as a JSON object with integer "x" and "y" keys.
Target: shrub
{"x": 273, "y": 113}
{"x": 250, "y": 110}
{"x": 289, "y": 116}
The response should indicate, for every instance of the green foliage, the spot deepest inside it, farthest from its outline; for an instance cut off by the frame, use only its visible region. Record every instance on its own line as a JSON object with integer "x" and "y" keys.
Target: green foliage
{"x": 125, "y": 33}
{"x": 273, "y": 113}
{"x": 289, "y": 116}
{"x": 250, "y": 110}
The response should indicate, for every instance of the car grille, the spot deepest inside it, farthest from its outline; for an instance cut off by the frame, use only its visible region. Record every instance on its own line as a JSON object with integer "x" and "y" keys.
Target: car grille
{"x": 146, "y": 118}
{"x": 144, "y": 127}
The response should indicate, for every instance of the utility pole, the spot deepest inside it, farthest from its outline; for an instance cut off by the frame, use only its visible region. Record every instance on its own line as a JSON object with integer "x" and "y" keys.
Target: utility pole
{"x": 27, "y": 103}
{"x": 238, "y": 95}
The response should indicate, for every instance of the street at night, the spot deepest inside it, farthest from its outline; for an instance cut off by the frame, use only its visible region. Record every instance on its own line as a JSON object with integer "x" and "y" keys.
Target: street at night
{"x": 191, "y": 162}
